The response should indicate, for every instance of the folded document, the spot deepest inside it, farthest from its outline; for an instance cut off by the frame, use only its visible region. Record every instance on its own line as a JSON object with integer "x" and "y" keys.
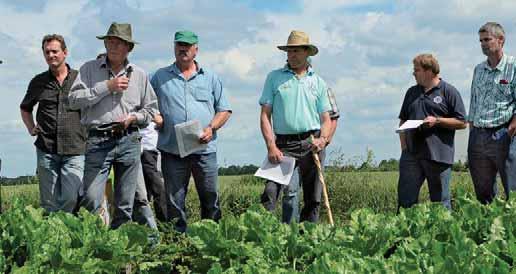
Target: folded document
{"x": 409, "y": 124}
{"x": 279, "y": 173}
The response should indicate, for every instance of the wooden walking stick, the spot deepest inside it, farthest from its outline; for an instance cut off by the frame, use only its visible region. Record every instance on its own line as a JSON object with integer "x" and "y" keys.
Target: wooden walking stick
{"x": 321, "y": 179}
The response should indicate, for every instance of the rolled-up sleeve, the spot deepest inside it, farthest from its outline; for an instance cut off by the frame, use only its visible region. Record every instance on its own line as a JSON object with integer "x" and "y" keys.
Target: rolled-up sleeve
{"x": 220, "y": 103}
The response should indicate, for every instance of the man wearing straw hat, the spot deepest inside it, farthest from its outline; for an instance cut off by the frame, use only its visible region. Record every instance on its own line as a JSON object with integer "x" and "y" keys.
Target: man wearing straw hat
{"x": 295, "y": 107}
{"x": 116, "y": 99}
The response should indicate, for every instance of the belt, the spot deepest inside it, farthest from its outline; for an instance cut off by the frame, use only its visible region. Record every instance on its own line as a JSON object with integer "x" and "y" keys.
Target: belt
{"x": 298, "y": 136}
{"x": 493, "y": 128}
{"x": 113, "y": 132}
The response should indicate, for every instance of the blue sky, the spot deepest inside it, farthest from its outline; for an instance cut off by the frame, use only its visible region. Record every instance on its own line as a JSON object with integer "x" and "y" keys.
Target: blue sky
{"x": 366, "y": 48}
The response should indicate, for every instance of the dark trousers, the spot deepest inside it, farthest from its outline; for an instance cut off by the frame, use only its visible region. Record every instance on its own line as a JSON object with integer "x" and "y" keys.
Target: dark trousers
{"x": 413, "y": 173}
{"x": 308, "y": 178}
{"x": 486, "y": 158}
{"x": 177, "y": 171}
{"x": 154, "y": 183}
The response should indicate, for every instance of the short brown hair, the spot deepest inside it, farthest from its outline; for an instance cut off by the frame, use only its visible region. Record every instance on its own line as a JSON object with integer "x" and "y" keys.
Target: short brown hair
{"x": 52, "y": 37}
{"x": 427, "y": 62}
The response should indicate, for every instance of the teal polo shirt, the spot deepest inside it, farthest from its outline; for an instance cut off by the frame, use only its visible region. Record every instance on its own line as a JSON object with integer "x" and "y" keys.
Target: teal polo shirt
{"x": 180, "y": 100}
{"x": 296, "y": 103}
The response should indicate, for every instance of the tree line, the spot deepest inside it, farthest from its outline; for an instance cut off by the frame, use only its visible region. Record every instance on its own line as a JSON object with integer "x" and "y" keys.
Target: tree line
{"x": 337, "y": 164}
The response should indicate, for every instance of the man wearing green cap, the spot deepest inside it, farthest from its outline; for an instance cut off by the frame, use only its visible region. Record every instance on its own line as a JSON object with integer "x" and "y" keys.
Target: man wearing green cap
{"x": 295, "y": 108}
{"x": 116, "y": 99}
{"x": 186, "y": 91}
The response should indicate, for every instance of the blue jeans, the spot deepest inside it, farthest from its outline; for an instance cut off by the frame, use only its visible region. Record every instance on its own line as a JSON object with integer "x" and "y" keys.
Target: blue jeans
{"x": 142, "y": 212}
{"x": 176, "y": 172}
{"x": 486, "y": 158}
{"x": 413, "y": 173}
{"x": 124, "y": 155}
{"x": 60, "y": 180}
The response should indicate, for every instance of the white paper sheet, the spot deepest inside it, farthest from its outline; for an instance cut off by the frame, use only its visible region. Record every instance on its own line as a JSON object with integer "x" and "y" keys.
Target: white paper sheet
{"x": 187, "y": 135}
{"x": 279, "y": 173}
{"x": 409, "y": 124}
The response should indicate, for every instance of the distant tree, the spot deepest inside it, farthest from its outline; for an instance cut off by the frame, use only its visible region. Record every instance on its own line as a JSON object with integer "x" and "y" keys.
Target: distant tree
{"x": 460, "y": 166}
{"x": 237, "y": 170}
{"x": 388, "y": 165}
{"x": 368, "y": 164}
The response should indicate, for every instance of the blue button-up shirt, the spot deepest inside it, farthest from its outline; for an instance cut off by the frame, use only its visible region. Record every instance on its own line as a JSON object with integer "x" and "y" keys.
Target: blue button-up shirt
{"x": 493, "y": 93}
{"x": 181, "y": 100}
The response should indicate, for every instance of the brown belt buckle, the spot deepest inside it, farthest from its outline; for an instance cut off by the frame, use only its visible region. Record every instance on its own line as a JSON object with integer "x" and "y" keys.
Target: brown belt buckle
{"x": 118, "y": 130}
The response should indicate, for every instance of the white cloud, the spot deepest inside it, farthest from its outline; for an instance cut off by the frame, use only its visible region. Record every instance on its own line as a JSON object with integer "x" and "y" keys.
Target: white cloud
{"x": 366, "y": 49}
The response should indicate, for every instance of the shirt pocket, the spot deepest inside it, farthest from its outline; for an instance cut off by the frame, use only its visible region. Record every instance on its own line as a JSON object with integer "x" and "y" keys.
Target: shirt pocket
{"x": 130, "y": 98}
{"x": 202, "y": 95}
{"x": 504, "y": 89}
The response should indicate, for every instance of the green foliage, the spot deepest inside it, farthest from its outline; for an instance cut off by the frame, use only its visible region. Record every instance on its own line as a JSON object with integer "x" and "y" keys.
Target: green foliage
{"x": 426, "y": 238}
{"x": 32, "y": 242}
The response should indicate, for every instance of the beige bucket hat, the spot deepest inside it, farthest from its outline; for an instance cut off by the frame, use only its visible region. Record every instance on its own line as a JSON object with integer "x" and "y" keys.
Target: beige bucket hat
{"x": 299, "y": 39}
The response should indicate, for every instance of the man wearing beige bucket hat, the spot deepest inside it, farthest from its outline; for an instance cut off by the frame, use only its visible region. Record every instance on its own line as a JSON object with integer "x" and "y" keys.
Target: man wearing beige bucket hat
{"x": 115, "y": 99}
{"x": 294, "y": 107}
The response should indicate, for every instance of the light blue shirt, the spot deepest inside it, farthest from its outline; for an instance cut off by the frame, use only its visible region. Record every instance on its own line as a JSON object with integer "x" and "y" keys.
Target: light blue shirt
{"x": 296, "y": 103}
{"x": 493, "y": 93}
{"x": 181, "y": 100}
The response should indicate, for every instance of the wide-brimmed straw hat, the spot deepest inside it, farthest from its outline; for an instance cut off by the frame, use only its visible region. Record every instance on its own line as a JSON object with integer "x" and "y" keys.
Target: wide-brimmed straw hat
{"x": 119, "y": 30}
{"x": 299, "y": 39}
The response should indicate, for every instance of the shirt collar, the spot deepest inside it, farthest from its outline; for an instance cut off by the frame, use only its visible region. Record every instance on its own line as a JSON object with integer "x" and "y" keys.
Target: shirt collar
{"x": 51, "y": 75}
{"x": 499, "y": 67}
{"x": 439, "y": 86}
{"x": 310, "y": 71}
{"x": 174, "y": 69}
{"x": 102, "y": 62}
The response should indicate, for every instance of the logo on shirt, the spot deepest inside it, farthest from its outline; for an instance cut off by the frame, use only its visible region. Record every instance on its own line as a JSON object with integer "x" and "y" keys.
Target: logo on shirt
{"x": 438, "y": 99}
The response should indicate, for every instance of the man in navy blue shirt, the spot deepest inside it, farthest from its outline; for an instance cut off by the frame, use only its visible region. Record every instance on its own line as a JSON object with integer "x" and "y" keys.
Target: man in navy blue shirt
{"x": 427, "y": 152}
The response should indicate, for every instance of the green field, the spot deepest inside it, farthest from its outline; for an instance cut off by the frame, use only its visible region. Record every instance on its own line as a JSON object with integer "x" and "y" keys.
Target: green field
{"x": 348, "y": 191}
{"x": 369, "y": 237}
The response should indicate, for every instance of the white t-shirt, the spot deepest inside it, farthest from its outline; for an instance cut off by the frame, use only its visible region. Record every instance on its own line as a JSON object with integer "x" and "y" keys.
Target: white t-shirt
{"x": 149, "y": 137}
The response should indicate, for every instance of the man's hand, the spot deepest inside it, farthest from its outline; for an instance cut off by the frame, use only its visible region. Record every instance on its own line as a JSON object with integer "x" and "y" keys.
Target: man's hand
{"x": 129, "y": 120}
{"x": 118, "y": 84}
{"x": 511, "y": 130}
{"x": 158, "y": 120}
{"x": 318, "y": 144}
{"x": 34, "y": 131}
{"x": 206, "y": 135}
{"x": 430, "y": 121}
{"x": 274, "y": 154}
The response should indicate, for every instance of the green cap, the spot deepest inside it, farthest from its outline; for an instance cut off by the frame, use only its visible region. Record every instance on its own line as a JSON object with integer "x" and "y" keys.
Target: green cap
{"x": 186, "y": 36}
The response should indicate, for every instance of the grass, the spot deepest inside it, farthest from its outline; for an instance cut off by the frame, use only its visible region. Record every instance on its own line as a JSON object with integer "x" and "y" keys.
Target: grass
{"x": 348, "y": 191}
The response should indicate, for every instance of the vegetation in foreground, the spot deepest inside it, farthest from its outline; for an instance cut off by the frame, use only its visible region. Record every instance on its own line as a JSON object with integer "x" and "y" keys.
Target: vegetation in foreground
{"x": 424, "y": 239}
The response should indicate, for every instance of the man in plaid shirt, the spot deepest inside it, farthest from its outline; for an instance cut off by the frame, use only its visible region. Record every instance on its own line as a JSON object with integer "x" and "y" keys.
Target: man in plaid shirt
{"x": 491, "y": 147}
